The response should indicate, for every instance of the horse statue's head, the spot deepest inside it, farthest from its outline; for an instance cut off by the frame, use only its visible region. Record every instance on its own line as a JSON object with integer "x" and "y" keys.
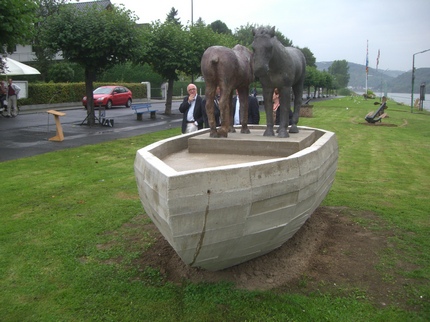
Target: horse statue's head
{"x": 263, "y": 49}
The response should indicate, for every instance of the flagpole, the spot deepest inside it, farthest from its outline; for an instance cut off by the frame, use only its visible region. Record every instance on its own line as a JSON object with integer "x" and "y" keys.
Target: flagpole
{"x": 367, "y": 66}
{"x": 377, "y": 64}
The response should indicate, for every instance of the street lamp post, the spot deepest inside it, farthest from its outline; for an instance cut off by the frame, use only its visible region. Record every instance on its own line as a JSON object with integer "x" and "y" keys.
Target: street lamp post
{"x": 413, "y": 77}
{"x": 192, "y": 9}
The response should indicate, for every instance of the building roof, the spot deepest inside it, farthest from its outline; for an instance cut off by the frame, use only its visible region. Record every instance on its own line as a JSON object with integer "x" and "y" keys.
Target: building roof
{"x": 103, "y": 4}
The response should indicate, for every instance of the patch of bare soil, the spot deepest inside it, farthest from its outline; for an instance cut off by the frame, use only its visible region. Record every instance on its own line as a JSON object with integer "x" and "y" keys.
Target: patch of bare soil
{"x": 330, "y": 253}
{"x": 378, "y": 124}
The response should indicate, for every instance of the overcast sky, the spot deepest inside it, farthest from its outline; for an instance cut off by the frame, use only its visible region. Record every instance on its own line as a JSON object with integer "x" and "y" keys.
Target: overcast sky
{"x": 331, "y": 29}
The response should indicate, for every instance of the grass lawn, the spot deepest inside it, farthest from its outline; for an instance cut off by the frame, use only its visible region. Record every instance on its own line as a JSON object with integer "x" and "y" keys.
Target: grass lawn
{"x": 59, "y": 211}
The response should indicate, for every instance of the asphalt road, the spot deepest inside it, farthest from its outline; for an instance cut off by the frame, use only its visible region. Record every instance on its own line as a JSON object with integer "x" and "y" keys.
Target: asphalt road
{"x": 28, "y": 134}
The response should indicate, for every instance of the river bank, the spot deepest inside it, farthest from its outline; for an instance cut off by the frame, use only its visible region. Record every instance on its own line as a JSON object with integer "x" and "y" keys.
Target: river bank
{"x": 405, "y": 98}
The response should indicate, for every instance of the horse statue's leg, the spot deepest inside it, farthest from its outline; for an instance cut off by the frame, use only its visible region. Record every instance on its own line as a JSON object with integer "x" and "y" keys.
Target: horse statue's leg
{"x": 224, "y": 107}
{"x": 298, "y": 92}
{"x": 243, "y": 99}
{"x": 210, "y": 96}
{"x": 284, "y": 101}
{"x": 268, "y": 107}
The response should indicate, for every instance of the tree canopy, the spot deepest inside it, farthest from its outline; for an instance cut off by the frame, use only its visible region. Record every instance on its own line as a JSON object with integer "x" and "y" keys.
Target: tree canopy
{"x": 94, "y": 38}
{"x": 17, "y": 19}
{"x": 98, "y": 39}
{"x": 339, "y": 70}
{"x": 44, "y": 55}
{"x": 171, "y": 49}
{"x": 172, "y": 17}
{"x": 310, "y": 58}
{"x": 220, "y": 27}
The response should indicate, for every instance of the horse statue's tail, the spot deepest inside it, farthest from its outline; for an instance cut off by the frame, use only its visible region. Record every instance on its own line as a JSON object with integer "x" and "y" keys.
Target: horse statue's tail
{"x": 214, "y": 61}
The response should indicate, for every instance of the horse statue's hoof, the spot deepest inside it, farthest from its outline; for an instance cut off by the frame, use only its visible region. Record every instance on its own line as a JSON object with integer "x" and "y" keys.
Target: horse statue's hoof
{"x": 222, "y": 133}
{"x": 231, "y": 129}
{"x": 245, "y": 131}
{"x": 294, "y": 129}
{"x": 269, "y": 132}
{"x": 283, "y": 134}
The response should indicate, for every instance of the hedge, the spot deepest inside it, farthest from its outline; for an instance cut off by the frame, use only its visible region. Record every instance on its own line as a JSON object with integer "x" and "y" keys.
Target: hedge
{"x": 47, "y": 93}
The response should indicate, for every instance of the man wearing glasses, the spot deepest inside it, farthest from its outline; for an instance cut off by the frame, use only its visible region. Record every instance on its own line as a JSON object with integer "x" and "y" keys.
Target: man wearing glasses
{"x": 191, "y": 108}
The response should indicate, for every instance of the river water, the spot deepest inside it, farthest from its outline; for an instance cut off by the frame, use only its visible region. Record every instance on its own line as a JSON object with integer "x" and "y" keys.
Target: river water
{"x": 405, "y": 98}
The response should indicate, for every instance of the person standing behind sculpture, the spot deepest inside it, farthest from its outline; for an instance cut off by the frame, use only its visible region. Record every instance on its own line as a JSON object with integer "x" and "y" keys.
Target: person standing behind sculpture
{"x": 3, "y": 93}
{"x": 253, "y": 110}
{"x": 217, "y": 112}
{"x": 275, "y": 99}
{"x": 276, "y": 110}
{"x": 192, "y": 110}
{"x": 12, "y": 99}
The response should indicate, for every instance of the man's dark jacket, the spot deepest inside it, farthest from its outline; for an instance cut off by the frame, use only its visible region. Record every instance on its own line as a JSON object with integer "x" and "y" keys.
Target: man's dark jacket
{"x": 198, "y": 112}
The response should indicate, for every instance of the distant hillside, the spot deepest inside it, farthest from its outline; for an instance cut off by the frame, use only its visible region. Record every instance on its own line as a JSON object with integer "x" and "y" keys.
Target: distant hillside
{"x": 394, "y": 81}
{"x": 403, "y": 83}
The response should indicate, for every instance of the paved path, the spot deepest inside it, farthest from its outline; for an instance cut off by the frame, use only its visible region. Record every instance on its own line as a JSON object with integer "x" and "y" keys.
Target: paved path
{"x": 28, "y": 134}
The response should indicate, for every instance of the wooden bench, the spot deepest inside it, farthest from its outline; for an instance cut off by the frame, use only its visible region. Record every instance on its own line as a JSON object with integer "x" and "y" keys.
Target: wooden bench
{"x": 140, "y": 109}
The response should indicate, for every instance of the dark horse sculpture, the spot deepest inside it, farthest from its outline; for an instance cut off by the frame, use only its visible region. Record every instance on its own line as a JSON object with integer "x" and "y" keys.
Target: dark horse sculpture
{"x": 277, "y": 66}
{"x": 230, "y": 69}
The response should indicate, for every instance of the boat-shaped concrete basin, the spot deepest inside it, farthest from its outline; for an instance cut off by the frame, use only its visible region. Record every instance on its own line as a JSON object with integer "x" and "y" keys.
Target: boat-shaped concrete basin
{"x": 221, "y": 202}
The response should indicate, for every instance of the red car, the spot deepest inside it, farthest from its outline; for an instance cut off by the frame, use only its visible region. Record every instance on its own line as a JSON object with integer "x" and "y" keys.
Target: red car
{"x": 109, "y": 96}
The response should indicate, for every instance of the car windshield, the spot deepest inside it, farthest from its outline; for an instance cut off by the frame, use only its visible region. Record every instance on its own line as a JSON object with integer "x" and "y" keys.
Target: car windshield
{"x": 102, "y": 90}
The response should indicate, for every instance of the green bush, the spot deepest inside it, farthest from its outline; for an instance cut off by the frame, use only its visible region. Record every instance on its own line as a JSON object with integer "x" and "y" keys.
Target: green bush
{"x": 344, "y": 92}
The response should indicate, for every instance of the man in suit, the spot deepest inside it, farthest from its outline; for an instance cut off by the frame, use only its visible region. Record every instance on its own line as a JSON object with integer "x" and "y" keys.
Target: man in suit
{"x": 253, "y": 110}
{"x": 192, "y": 110}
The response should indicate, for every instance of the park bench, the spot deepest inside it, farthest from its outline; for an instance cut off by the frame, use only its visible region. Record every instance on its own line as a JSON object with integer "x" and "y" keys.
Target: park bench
{"x": 377, "y": 116}
{"x": 140, "y": 109}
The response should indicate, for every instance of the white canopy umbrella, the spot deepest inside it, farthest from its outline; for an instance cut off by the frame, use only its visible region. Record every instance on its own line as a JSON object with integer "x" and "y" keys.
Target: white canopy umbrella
{"x": 13, "y": 67}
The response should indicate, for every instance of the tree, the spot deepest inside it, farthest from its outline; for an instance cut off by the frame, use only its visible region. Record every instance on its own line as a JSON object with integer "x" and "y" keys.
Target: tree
{"x": 93, "y": 38}
{"x": 199, "y": 22}
{"x": 44, "y": 55}
{"x": 310, "y": 58}
{"x": 166, "y": 50}
{"x": 17, "y": 19}
{"x": 245, "y": 37}
{"x": 171, "y": 49}
{"x": 172, "y": 17}
{"x": 244, "y": 34}
{"x": 310, "y": 78}
{"x": 220, "y": 27}
{"x": 339, "y": 69}
{"x": 283, "y": 40}
{"x": 202, "y": 37}
{"x": 61, "y": 72}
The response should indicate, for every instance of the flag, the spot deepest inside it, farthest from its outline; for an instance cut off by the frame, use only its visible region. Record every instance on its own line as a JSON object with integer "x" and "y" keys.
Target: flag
{"x": 367, "y": 58}
{"x": 377, "y": 59}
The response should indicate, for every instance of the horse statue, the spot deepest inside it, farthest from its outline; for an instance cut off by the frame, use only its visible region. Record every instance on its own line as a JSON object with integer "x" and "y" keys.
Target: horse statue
{"x": 230, "y": 69}
{"x": 277, "y": 66}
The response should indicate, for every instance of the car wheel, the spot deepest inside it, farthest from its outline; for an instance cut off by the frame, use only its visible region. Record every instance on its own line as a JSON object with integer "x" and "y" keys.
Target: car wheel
{"x": 109, "y": 105}
{"x": 128, "y": 104}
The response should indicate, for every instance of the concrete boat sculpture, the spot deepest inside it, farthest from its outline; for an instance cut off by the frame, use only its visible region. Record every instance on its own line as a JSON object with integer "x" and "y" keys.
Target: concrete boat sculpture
{"x": 221, "y": 202}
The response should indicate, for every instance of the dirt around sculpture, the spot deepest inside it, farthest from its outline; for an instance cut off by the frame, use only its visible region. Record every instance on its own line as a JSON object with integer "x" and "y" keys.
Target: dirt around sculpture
{"x": 277, "y": 66}
{"x": 230, "y": 69}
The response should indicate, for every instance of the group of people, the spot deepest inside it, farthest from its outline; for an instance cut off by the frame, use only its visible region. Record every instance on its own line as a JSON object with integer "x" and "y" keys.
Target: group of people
{"x": 9, "y": 94}
{"x": 193, "y": 108}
